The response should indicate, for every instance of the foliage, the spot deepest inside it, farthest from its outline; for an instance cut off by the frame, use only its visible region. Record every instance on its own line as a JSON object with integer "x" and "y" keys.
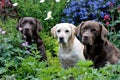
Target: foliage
{"x": 114, "y": 37}
{"x": 39, "y": 10}
{"x": 17, "y": 64}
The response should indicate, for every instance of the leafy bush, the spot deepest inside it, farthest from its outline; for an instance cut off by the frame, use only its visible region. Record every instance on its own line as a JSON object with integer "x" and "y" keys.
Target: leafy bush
{"x": 39, "y": 10}
{"x": 17, "y": 64}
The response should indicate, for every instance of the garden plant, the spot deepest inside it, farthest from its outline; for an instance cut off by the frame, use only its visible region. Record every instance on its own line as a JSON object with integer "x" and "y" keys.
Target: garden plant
{"x": 17, "y": 64}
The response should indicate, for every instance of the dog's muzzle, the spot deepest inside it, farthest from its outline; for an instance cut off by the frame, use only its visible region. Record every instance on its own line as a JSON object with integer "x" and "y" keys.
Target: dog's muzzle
{"x": 61, "y": 40}
{"x": 85, "y": 39}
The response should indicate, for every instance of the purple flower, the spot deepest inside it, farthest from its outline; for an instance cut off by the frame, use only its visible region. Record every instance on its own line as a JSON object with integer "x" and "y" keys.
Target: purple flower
{"x": 102, "y": 14}
{"x": 73, "y": 3}
{"x": 75, "y": 14}
{"x": 80, "y": 10}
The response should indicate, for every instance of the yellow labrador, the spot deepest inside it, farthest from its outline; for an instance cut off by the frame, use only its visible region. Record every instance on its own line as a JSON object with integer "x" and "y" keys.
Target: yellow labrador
{"x": 70, "y": 48}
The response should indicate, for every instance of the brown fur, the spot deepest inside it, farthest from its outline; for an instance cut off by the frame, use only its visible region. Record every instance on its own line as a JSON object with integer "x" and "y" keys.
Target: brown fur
{"x": 97, "y": 47}
{"x": 30, "y": 27}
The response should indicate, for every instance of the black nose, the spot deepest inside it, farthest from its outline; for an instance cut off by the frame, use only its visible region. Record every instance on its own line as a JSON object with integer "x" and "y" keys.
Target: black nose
{"x": 61, "y": 39}
{"x": 26, "y": 29}
{"x": 86, "y": 36}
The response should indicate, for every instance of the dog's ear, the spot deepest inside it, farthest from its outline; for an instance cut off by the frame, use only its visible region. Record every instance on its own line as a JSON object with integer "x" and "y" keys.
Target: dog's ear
{"x": 78, "y": 30}
{"x": 104, "y": 32}
{"x": 39, "y": 26}
{"x": 73, "y": 28}
{"x": 53, "y": 30}
{"x": 19, "y": 24}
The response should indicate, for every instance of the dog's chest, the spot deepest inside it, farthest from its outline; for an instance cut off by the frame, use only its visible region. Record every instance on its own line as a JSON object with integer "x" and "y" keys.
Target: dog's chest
{"x": 68, "y": 57}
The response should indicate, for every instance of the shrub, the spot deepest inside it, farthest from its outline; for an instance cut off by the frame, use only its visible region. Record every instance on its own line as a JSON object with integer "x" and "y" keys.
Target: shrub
{"x": 39, "y": 10}
{"x": 17, "y": 64}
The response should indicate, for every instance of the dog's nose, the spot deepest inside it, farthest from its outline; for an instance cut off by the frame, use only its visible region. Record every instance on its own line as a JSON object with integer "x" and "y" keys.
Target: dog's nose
{"x": 86, "y": 36}
{"x": 61, "y": 39}
{"x": 26, "y": 29}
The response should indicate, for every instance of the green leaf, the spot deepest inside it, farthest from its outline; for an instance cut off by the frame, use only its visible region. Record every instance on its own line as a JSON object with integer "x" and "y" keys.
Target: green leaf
{"x": 2, "y": 70}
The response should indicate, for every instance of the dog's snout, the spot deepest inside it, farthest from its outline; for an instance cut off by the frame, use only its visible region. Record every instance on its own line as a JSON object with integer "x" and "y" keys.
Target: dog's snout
{"x": 86, "y": 36}
{"x": 26, "y": 29}
{"x": 61, "y": 39}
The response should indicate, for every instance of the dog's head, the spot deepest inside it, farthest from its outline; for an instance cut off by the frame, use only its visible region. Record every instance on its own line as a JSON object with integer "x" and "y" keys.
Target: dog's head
{"x": 64, "y": 32}
{"x": 29, "y": 26}
{"x": 91, "y": 31}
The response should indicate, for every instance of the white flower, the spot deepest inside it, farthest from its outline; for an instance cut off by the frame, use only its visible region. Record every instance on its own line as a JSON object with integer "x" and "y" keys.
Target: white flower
{"x": 3, "y": 32}
{"x": 68, "y": 1}
{"x": 49, "y": 15}
{"x": 15, "y": 4}
{"x": 57, "y": 0}
{"x": 42, "y": 1}
{"x": 20, "y": 29}
{"x": 25, "y": 44}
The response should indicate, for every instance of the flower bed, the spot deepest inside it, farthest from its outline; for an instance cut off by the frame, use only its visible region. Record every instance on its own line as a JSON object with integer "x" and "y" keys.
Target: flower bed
{"x": 100, "y": 10}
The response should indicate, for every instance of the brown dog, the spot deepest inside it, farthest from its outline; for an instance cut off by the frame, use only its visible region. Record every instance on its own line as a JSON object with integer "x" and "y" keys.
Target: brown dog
{"x": 97, "y": 47}
{"x": 30, "y": 27}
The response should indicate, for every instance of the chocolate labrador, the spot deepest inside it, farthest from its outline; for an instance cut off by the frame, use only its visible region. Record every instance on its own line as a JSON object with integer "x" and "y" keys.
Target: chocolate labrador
{"x": 97, "y": 47}
{"x": 30, "y": 27}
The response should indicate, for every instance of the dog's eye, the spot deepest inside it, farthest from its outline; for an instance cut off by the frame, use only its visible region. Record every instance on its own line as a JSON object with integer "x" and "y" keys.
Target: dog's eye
{"x": 84, "y": 29}
{"x": 58, "y": 30}
{"x": 67, "y": 31}
{"x": 31, "y": 23}
{"x": 93, "y": 30}
{"x": 24, "y": 22}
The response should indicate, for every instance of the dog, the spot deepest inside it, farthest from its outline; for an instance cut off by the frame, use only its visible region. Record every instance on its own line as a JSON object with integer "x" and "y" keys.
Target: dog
{"x": 30, "y": 27}
{"x": 97, "y": 47}
{"x": 70, "y": 48}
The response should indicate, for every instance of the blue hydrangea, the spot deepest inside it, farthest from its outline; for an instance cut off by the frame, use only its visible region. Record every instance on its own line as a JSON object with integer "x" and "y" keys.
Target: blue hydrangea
{"x": 82, "y": 10}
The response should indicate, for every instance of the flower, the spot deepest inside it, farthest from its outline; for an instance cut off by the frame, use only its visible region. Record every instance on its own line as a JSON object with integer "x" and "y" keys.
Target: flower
{"x": 20, "y": 29}
{"x": 15, "y": 4}
{"x": 107, "y": 23}
{"x": 25, "y": 44}
{"x": 57, "y": 0}
{"x": 68, "y": 1}
{"x": 106, "y": 17}
{"x": 3, "y": 32}
{"x": 82, "y": 10}
{"x": 42, "y": 1}
{"x": 111, "y": 4}
{"x": 49, "y": 15}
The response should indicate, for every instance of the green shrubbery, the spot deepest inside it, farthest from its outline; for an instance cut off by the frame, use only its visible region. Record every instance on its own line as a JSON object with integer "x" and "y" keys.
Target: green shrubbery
{"x": 39, "y": 10}
{"x": 15, "y": 63}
